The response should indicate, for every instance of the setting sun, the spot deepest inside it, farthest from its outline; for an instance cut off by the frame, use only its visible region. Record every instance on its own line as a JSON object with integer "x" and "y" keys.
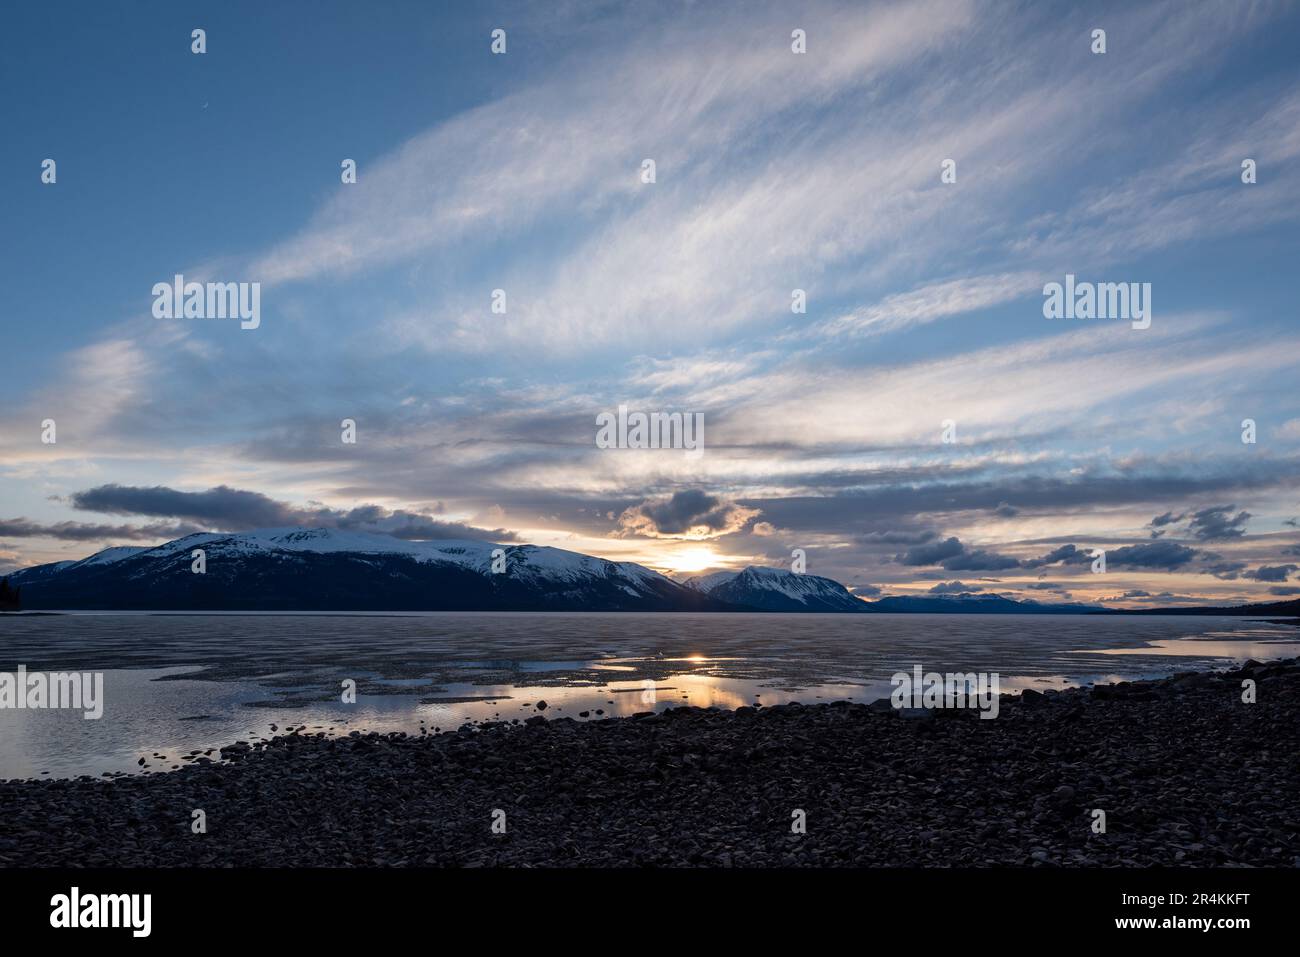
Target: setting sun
{"x": 694, "y": 558}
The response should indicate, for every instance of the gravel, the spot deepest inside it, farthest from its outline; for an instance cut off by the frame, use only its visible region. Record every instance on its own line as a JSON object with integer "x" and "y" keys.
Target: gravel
{"x": 1186, "y": 773}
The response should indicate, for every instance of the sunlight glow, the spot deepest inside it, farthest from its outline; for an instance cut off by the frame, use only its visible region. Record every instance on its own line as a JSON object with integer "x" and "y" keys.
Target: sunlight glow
{"x": 694, "y": 558}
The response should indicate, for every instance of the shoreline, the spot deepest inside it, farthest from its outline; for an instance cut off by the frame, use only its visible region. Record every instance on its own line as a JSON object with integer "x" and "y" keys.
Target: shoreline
{"x": 1186, "y": 774}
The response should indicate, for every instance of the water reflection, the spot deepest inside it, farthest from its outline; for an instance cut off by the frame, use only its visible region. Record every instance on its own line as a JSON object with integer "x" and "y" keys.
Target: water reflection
{"x": 181, "y": 684}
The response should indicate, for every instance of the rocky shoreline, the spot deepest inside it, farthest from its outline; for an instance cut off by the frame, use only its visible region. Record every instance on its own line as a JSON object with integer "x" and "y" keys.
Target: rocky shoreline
{"x": 1186, "y": 773}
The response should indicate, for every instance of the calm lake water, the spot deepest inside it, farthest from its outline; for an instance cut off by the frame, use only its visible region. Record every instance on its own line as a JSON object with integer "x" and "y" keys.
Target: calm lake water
{"x": 177, "y": 683}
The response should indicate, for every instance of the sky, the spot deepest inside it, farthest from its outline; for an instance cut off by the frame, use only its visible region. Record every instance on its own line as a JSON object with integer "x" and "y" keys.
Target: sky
{"x": 504, "y": 270}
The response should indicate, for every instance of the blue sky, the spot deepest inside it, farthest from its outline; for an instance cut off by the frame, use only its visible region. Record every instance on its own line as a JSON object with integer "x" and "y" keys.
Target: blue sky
{"x": 775, "y": 171}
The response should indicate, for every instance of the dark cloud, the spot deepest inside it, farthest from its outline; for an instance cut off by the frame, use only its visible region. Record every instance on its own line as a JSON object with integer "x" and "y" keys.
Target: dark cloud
{"x": 862, "y": 496}
{"x": 1164, "y": 597}
{"x": 222, "y": 507}
{"x": 872, "y": 516}
{"x": 1284, "y": 590}
{"x": 897, "y": 537}
{"x": 1154, "y": 555}
{"x": 690, "y": 513}
{"x": 415, "y": 526}
{"x": 1005, "y": 510}
{"x": 1271, "y": 573}
{"x": 869, "y": 590}
{"x": 1046, "y": 586}
{"x": 1217, "y": 523}
{"x": 979, "y": 560}
{"x": 952, "y": 555}
{"x": 1157, "y": 524}
{"x": 1225, "y": 571}
{"x": 954, "y": 588}
{"x": 932, "y": 553}
{"x": 1066, "y": 554}
{"x": 90, "y": 532}
{"x": 230, "y": 509}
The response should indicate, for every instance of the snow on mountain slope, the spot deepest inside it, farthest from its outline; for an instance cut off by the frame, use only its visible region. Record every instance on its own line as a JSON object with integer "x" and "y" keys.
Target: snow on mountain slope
{"x": 982, "y": 603}
{"x": 37, "y": 572}
{"x": 534, "y": 560}
{"x": 775, "y": 589}
{"x": 107, "y": 556}
{"x": 318, "y": 540}
{"x": 706, "y": 583}
{"x": 327, "y": 568}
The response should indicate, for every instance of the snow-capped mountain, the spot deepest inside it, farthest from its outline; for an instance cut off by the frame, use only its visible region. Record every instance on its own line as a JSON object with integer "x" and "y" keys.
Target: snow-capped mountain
{"x": 775, "y": 589}
{"x": 977, "y": 603}
{"x": 106, "y": 556}
{"x": 329, "y": 569}
{"x": 333, "y": 569}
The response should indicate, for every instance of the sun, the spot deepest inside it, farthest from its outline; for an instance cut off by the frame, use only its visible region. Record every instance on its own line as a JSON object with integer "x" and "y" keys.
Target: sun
{"x": 693, "y": 558}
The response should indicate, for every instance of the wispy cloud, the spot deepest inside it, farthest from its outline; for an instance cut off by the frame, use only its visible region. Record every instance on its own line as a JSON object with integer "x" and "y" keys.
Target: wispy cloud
{"x": 775, "y": 172}
{"x": 928, "y": 303}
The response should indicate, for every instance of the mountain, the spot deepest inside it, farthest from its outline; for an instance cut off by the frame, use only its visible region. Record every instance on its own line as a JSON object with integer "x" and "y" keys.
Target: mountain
{"x": 329, "y": 569}
{"x": 775, "y": 589}
{"x": 297, "y": 569}
{"x": 969, "y": 603}
{"x": 105, "y": 556}
{"x": 1285, "y": 608}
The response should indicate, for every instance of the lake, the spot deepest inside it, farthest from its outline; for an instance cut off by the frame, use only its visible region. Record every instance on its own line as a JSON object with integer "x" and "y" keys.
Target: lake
{"x": 181, "y": 683}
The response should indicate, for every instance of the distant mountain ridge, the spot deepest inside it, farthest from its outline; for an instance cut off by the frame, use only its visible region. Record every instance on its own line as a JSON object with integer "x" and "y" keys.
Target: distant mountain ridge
{"x": 1284, "y": 608}
{"x": 978, "y": 603}
{"x": 775, "y": 589}
{"x": 329, "y": 569}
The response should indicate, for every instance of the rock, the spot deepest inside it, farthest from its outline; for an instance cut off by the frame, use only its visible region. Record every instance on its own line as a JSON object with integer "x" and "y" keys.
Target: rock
{"x": 1188, "y": 776}
{"x": 1063, "y": 795}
